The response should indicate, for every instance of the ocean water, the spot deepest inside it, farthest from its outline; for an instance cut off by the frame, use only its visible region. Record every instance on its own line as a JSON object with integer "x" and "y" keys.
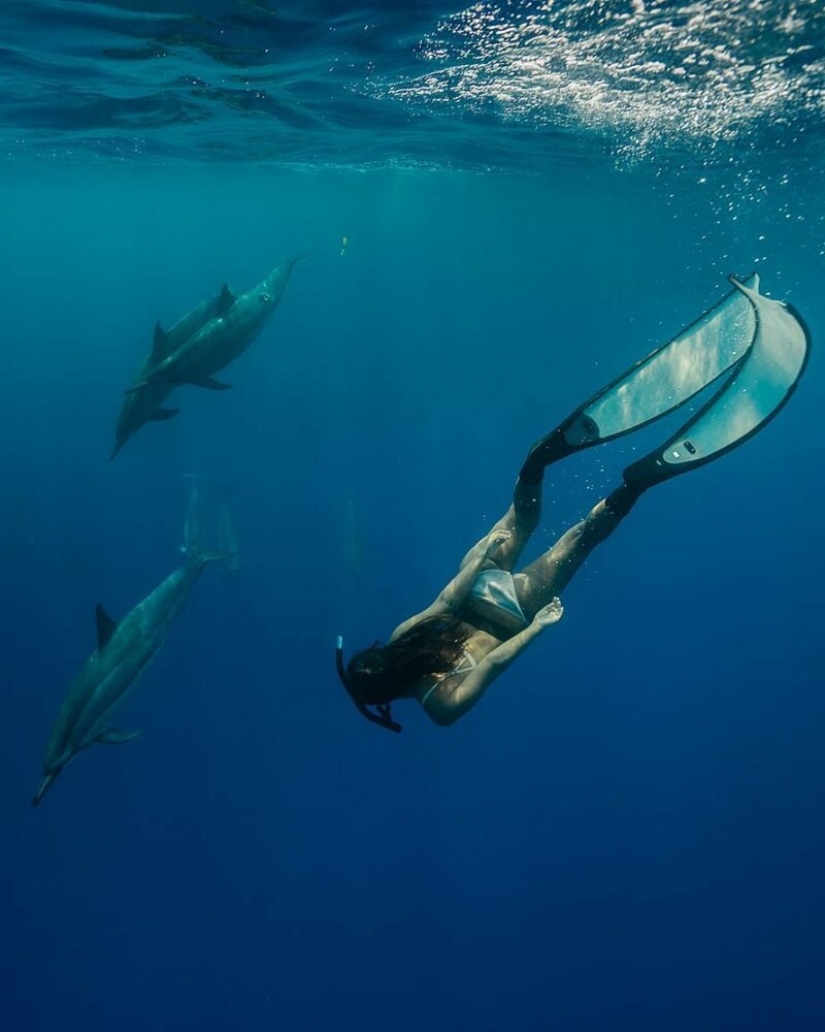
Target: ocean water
{"x": 508, "y": 204}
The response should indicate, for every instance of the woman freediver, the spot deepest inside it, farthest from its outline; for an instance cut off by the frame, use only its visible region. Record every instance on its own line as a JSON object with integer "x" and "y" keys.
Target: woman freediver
{"x": 448, "y": 655}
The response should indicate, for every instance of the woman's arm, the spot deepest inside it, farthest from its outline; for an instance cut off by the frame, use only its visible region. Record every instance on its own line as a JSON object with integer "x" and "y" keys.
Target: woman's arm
{"x": 451, "y": 597}
{"x": 446, "y": 707}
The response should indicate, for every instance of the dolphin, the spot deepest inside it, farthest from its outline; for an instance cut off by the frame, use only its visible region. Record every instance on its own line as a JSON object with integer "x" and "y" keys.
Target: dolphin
{"x": 239, "y": 320}
{"x": 144, "y": 405}
{"x": 124, "y": 650}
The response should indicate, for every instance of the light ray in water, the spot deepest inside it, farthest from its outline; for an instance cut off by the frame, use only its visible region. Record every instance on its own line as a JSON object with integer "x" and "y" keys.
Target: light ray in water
{"x": 691, "y": 70}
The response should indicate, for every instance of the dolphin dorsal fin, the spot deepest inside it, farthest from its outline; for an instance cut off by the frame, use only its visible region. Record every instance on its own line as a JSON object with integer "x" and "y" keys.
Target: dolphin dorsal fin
{"x": 227, "y": 299}
{"x": 106, "y": 627}
{"x": 159, "y": 345}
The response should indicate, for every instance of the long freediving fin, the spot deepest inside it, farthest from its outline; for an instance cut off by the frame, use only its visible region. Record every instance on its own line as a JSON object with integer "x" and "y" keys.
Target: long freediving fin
{"x": 761, "y": 385}
{"x": 661, "y": 382}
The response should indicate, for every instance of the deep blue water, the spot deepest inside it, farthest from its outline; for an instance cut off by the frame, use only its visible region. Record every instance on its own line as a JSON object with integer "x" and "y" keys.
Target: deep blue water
{"x": 626, "y": 832}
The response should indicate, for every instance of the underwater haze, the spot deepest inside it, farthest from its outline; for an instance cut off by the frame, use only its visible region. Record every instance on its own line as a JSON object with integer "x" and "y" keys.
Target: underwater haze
{"x": 507, "y": 204}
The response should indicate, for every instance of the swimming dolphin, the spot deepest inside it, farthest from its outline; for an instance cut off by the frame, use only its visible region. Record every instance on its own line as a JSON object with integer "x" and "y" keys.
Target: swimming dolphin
{"x": 239, "y": 320}
{"x": 124, "y": 650}
{"x": 144, "y": 405}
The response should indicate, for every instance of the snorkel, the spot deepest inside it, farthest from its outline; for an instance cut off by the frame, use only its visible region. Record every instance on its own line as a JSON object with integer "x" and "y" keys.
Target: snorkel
{"x": 381, "y": 714}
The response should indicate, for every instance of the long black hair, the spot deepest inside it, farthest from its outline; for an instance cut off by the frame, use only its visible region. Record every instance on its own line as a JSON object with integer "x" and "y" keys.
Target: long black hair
{"x": 381, "y": 673}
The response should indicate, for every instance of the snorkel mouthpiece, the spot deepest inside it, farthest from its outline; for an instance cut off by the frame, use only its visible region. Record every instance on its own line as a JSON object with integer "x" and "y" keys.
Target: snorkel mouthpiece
{"x": 382, "y": 715}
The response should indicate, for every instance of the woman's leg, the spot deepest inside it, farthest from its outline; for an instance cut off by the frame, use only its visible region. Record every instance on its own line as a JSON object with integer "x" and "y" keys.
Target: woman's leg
{"x": 521, "y": 519}
{"x": 540, "y": 582}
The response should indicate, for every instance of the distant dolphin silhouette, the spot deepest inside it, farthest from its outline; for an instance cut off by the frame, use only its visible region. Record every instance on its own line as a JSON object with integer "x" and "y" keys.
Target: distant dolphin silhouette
{"x": 238, "y": 321}
{"x": 123, "y": 652}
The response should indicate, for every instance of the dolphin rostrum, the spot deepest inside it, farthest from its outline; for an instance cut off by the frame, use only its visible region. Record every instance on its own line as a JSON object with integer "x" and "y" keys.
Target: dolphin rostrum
{"x": 124, "y": 650}
{"x": 139, "y": 407}
{"x": 239, "y": 320}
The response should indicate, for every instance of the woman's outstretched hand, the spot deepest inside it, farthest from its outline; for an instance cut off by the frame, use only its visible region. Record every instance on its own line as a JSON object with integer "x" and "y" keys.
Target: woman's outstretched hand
{"x": 495, "y": 540}
{"x": 549, "y": 614}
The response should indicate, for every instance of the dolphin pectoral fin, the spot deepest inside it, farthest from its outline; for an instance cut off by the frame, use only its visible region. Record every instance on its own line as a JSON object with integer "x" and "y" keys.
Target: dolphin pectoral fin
{"x": 213, "y": 385}
{"x": 44, "y": 787}
{"x": 225, "y": 302}
{"x": 160, "y": 345}
{"x": 114, "y": 736}
{"x": 106, "y": 627}
{"x": 164, "y": 413}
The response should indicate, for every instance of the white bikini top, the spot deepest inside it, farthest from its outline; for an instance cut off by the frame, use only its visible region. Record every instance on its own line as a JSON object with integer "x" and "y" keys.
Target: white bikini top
{"x": 467, "y": 663}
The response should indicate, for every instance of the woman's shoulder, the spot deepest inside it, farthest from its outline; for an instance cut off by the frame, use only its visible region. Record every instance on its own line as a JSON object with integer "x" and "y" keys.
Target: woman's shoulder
{"x": 438, "y": 687}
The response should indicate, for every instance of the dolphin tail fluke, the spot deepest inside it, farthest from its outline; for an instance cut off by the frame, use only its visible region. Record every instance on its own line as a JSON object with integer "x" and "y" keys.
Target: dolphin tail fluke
{"x": 44, "y": 787}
